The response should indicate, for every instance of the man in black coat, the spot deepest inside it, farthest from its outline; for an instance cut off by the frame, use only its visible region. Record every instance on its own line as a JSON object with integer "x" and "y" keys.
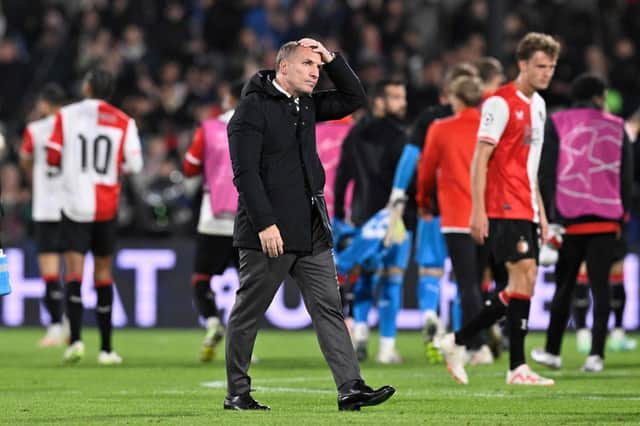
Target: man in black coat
{"x": 282, "y": 226}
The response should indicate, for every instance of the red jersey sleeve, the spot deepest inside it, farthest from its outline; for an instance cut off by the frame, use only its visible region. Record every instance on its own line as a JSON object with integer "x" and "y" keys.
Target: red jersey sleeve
{"x": 192, "y": 163}
{"x": 27, "y": 143}
{"x": 55, "y": 142}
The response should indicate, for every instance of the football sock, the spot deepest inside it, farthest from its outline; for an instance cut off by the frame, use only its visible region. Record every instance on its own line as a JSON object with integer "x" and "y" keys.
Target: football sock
{"x": 389, "y": 304}
{"x": 362, "y": 297}
{"x": 493, "y": 309}
{"x": 74, "y": 307}
{"x": 53, "y": 298}
{"x": 517, "y": 322}
{"x": 103, "y": 313}
{"x": 428, "y": 293}
{"x": 456, "y": 313}
{"x": 203, "y": 296}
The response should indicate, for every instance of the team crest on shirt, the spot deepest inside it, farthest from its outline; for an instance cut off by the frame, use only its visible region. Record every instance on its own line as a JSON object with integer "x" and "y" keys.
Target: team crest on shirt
{"x": 488, "y": 119}
{"x": 523, "y": 246}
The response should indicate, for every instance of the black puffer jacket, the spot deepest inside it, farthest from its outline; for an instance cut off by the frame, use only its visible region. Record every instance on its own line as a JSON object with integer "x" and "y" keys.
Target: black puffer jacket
{"x": 276, "y": 166}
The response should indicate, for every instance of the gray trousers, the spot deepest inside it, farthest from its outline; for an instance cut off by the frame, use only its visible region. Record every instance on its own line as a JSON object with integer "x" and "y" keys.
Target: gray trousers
{"x": 260, "y": 277}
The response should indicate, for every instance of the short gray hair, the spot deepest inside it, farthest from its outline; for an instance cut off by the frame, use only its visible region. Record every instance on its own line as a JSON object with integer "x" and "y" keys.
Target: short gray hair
{"x": 284, "y": 52}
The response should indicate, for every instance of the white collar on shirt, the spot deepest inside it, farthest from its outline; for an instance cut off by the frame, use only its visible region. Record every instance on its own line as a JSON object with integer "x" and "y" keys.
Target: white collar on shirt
{"x": 281, "y": 90}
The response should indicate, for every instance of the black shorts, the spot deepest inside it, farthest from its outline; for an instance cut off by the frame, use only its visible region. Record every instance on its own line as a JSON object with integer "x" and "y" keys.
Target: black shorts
{"x": 511, "y": 240}
{"x": 214, "y": 253}
{"x": 97, "y": 237}
{"x": 48, "y": 237}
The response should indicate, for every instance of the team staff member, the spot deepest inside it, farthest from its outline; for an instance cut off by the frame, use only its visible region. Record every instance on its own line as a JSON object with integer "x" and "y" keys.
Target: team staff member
{"x": 447, "y": 154}
{"x": 431, "y": 251}
{"x": 586, "y": 176}
{"x": 282, "y": 225}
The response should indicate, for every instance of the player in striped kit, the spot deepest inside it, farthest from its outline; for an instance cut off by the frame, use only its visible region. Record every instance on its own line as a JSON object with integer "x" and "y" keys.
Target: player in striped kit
{"x": 94, "y": 143}
{"x": 46, "y": 208}
{"x": 507, "y": 210}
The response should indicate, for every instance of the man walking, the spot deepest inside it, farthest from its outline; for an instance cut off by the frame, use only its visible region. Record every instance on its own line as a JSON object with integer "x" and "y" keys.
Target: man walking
{"x": 507, "y": 209}
{"x": 93, "y": 142}
{"x": 282, "y": 226}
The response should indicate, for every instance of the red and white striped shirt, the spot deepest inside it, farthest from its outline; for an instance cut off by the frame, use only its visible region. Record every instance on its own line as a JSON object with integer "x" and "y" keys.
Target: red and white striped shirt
{"x": 93, "y": 142}
{"x": 47, "y": 184}
{"x": 515, "y": 124}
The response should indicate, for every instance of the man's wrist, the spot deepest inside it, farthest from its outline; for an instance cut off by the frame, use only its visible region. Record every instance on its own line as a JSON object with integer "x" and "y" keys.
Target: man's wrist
{"x": 331, "y": 56}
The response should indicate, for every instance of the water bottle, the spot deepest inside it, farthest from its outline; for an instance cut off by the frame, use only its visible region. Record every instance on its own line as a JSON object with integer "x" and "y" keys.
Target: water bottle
{"x": 5, "y": 287}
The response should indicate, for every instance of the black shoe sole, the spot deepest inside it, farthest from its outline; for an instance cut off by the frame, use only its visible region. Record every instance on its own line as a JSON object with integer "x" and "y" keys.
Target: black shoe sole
{"x": 375, "y": 401}
{"x": 231, "y": 407}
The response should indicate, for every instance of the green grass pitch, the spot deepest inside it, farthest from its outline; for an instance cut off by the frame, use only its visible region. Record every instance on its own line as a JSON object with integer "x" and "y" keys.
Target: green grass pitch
{"x": 162, "y": 382}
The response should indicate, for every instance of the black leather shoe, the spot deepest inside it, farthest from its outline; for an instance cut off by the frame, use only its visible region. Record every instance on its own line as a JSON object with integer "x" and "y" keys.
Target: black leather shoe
{"x": 243, "y": 402}
{"x": 361, "y": 395}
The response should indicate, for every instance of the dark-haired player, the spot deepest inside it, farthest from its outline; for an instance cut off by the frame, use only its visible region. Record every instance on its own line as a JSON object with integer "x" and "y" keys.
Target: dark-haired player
{"x": 93, "y": 142}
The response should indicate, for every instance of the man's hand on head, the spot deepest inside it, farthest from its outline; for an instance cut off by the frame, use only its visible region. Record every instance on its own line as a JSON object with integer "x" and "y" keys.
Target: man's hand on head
{"x": 317, "y": 47}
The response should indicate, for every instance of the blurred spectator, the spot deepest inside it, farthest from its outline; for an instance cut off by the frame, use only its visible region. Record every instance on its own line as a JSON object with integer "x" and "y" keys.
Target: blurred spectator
{"x": 14, "y": 77}
{"x": 174, "y": 59}
{"x": 15, "y": 203}
{"x": 625, "y": 70}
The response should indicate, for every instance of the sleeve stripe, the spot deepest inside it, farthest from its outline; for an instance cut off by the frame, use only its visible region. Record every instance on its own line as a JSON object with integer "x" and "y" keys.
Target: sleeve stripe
{"x": 53, "y": 146}
{"x": 193, "y": 160}
{"x": 487, "y": 139}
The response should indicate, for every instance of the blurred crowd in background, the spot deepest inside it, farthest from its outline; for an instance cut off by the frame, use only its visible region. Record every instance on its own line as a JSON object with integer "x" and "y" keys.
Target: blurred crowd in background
{"x": 175, "y": 60}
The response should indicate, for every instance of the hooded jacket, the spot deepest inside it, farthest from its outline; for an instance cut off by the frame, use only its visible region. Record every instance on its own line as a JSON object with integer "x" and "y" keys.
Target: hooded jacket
{"x": 276, "y": 166}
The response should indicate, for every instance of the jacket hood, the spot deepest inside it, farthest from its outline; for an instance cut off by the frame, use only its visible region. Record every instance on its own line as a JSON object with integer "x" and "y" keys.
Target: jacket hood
{"x": 262, "y": 83}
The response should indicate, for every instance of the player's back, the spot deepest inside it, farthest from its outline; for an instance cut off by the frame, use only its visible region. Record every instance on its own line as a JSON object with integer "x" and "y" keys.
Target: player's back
{"x": 455, "y": 140}
{"x": 95, "y": 138}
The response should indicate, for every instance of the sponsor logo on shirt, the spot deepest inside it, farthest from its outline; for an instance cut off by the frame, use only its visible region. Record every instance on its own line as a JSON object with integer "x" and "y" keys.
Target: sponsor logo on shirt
{"x": 106, "y": 117}
{"x": 527, "y": 135}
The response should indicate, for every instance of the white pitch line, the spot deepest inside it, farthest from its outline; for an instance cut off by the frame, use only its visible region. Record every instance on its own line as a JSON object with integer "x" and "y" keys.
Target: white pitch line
{"x": 292, "y": 380}
{"x": 472, "y": 374}
{"x": 278, "y": 389}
